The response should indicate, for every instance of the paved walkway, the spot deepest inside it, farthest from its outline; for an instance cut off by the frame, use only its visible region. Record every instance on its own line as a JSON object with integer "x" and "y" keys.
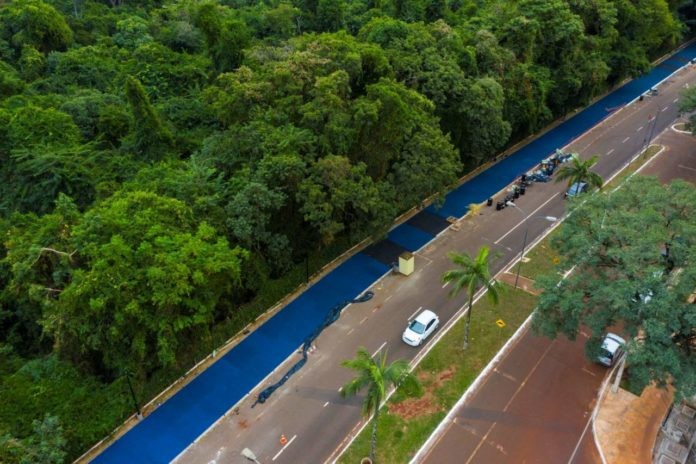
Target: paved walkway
{"x": 626, "y": 426}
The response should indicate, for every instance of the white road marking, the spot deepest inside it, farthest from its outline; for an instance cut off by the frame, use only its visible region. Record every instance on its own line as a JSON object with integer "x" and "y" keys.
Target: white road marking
{"x": 411, "y": 316}
{"x": 446, "y": 283}
{"x": 584, "y": 369}
{"x": 350, "y": 331}
{"x": 686, "y": 167}
{"x": 283, "y": 448}
{"x": 339, "y": 390}
{"x": 375, "y": 309}
{"x": 639, "y": 129}
{"x": 388, "y": 298}
{"x": 626, "y": 139}
{"x": 610, "y": 152}
{"x": 363, "y": 319}
{"x": 379, "y": 349}
{"x": 521, "y": 222}
{"x": 326, "y": 404}
{"x": 675, "y": 100}
{"x": 665, "y": 108}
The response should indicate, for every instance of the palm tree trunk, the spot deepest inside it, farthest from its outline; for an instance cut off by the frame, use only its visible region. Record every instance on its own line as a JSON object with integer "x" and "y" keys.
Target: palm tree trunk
{"x": 374, "y": 432}
{"x": 468, "y": 321}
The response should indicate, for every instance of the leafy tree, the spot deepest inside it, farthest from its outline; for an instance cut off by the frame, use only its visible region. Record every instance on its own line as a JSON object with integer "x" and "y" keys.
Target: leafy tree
{"x": 151, "y": 138}
{"x": 330, "y": 15}
{"x": 579, "y": 171}
{"x": 45, "y": 446}
{"x": 131, "y": 33}
{"x": 95, "y": 66}
{"x": 31, "y": 126}
{"x": 10, "y": 81}
{"x": 150, "y": 280}
{"x": 35, "y": 23}
{"x": 338, "y": 196}
{"x": 470, "y": 274}
{"x": 377, "y": 377}
{"x": 688, "y": 105}
{"x": 31, "y": 63}
{"x": 633, "y": 253}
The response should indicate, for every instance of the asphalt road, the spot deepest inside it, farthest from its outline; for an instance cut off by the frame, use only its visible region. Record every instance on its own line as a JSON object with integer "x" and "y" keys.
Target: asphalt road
{"x": 535, "y": 407}
{"x": 309, "y": 411}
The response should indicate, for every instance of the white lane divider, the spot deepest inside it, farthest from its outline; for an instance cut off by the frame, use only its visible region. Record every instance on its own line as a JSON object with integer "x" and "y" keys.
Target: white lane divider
{"x": 283, "y": 448}
{"x": 639, "y": 129}
{"x": 416, "y": 312}
{"x": 665, "y": 108}
{"x": 610, "y": 152}
{"x": 527, "y": 217}
{"x": 686, "y": 167}
{"x": 379, "y": 349}
{"x": 675, "y": 100}
{"x": 446, "y": 284}
{"x": 626, "y": 140}
{"x": 326, "y": 404}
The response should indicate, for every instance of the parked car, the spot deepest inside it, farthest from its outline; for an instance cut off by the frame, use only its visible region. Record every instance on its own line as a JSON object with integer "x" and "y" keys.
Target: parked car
{"x": 576, "y": 189}
{"x": 420, "y": 328}
{"x": 612, "y": 347}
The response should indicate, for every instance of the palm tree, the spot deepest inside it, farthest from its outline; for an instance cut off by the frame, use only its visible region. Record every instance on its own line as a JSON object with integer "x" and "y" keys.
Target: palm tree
{"x": 377, "y": 377}
{"x": 471, "y": 273}
{"x": 579, "y": 171}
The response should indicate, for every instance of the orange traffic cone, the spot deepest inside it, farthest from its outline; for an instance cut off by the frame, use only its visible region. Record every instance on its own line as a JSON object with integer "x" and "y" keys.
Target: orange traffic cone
{"x": 283, "y": 440}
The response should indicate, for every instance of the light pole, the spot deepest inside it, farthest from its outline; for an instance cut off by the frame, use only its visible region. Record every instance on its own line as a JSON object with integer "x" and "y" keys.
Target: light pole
{"x": 526, "y": 231}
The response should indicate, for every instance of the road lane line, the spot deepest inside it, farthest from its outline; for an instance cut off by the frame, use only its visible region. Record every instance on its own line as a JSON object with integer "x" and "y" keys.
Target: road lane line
{"x": 375, "y": 309}
{"x": 610, "y": 152}
{"x": 379, "y": 349}
{"x": 675, "y": 100}
{"x": 339, "y": 389}
{"x": 521, "y": 222}
{"x": 512, "y": 398}
{"x": 686, "y": 167}
{"x": 665, "y": 108}
{"x": 283, "y": 448}
{"x": 626, "y": 139}
{"x": 587, "y": 371}
{"x": 326, "y": 404}
{"x": 363, "y": 319}
{"x": 388, "y": 298}
{"x": 349, "y": 332}
{"x": 416, "y": 312}
{"x": 446, "y": 283}
{"x": 639, "y": 129}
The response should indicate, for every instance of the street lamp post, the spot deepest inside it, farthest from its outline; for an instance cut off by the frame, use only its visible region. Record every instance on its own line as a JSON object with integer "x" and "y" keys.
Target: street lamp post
{"x": 526, "y": 231}
{"x": 132, "y": 392}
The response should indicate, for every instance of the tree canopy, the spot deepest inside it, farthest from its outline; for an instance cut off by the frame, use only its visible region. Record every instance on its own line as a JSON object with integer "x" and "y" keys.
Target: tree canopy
{"x": 168, "y": 168}
{"x": 633, "y": 252}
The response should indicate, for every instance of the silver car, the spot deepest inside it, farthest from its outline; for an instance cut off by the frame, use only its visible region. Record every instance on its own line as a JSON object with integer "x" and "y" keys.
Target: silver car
{"x": 612, "y": 347}
{"x": 420, "y": 328}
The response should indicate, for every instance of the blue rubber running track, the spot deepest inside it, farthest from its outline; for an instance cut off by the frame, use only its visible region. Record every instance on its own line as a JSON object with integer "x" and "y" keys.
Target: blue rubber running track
{"x": 162, "y": 435}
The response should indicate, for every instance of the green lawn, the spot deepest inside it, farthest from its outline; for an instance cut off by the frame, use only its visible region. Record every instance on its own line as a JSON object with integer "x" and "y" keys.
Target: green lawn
{"x": 445, "y": 372}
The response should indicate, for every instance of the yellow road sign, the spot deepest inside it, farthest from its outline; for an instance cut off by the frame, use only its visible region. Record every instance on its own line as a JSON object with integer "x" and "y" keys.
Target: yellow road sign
{"x": 500, "y": 323}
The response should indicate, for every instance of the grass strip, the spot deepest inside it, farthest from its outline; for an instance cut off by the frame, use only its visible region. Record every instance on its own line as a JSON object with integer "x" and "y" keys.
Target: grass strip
{"x": 446, "y": 372}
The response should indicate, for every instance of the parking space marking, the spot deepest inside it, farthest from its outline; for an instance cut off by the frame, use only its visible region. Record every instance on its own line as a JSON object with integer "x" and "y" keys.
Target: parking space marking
{"x": 527, "y": 217}
{"x": 626, "y": 139}
{"x": 379, "y": 349}
{"x": 283, "y": 448}
{"x": 416, "y": 312}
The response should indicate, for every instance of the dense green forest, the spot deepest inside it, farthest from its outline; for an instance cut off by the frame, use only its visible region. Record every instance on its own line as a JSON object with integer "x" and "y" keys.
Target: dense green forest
{"x": 166, "y": 168}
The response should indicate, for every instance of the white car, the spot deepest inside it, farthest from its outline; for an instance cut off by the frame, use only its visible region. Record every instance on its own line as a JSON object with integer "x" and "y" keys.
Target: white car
{"x": 612, "y": 347}
{"x": 420, "y": 328}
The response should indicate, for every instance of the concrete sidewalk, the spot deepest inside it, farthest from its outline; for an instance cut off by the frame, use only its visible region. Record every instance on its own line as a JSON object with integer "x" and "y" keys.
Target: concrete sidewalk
{"x": 626, "y": 426}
